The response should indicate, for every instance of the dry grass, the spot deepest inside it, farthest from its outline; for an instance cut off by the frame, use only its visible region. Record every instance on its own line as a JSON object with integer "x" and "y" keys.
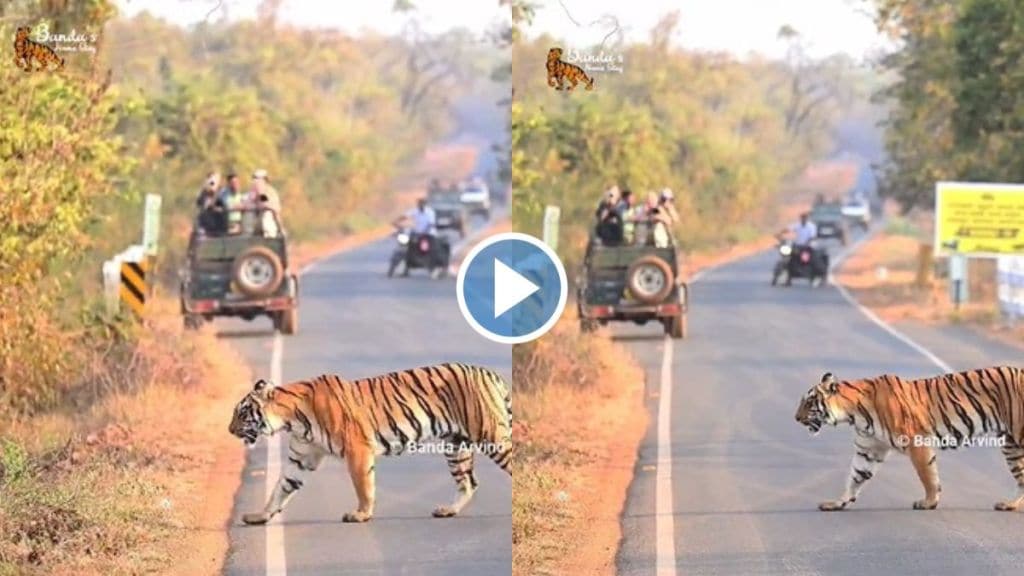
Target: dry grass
{"x": 579, "y": 420}
{"x": 123, "y": 486}
{"x": 882, "y": 275}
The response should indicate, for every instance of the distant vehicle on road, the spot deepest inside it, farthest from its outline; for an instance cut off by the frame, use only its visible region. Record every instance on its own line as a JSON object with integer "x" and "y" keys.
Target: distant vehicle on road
{"x": 476, "y": 197}
{"x": 828, "y": 217}
{"x": 857, "y": 211}
{"x": 423, "y": 251}
{"x": 799, "y": 262}
{"x": 451, "y": 213}
{"x": 635, "y": 283}
{"x": 243, "y": 275}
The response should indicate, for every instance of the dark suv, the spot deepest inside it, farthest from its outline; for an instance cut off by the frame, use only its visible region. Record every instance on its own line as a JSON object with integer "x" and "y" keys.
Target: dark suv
{"x": 450, "y": 212}
{"x": 828, "y": 217}
{"x": 636, "y": 283}
{"x": 244, "y": 274}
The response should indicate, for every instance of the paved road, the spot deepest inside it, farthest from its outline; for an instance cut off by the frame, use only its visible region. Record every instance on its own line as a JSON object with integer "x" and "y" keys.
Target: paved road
{"x": 356, "y": 322}
{"x": 746, "y": 478}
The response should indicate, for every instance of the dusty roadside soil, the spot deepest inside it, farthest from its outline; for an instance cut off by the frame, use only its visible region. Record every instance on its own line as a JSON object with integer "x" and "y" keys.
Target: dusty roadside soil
{"x": 882, "y": 275}
{"x": 579, "y": 419}
{"x": 140, "y": 482}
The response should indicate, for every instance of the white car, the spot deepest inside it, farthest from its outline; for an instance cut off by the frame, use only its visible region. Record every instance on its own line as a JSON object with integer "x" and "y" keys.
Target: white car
{"x": 858, "y": 211}
{"x": 476, "y": 197}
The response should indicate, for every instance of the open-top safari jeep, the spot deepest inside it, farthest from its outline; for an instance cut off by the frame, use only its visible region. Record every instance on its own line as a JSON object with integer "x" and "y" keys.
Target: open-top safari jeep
{"x": 635, "y": 283}
{"x": 243, "y": 274}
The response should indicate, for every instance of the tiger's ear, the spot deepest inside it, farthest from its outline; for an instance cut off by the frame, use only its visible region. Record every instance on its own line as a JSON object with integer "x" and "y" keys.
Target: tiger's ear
{"x": 262, "y": 389}
{"x": 829, "y": 383}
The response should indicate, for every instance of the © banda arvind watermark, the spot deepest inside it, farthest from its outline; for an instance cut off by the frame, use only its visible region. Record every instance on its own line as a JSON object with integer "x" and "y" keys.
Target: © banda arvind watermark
{"x": 445, "y": 447}
{"x": 948, "y": 442}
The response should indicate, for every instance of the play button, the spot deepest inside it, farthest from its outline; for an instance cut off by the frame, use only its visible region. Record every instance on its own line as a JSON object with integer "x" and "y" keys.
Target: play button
{"x": 511, "y": 288}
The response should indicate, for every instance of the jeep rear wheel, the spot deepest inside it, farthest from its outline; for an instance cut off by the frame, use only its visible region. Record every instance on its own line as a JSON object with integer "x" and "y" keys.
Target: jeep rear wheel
{"x": 257, "y": 271}
{"x": 650, "y": 279}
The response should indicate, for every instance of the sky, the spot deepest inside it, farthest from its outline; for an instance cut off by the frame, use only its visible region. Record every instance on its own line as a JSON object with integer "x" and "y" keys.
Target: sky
{"x": 352, "y": 16}
{"x": 736, "y": 26}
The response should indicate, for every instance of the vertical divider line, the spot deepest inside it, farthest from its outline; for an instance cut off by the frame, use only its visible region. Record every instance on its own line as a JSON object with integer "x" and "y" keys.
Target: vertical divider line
{"x": 276, "y": 561}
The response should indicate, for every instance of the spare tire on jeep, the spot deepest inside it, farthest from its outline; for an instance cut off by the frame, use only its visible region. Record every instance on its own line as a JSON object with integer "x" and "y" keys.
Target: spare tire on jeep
{"x": 650, "y": 279}
{"x": 257, "y": 271}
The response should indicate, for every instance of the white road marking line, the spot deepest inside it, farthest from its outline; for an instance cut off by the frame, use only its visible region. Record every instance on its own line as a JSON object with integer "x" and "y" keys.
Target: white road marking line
{"x": 276, "y": 561}
{"x": 931, "y": 356}
{"x": 664, "y": 529}
{"x": 664, "y": 524}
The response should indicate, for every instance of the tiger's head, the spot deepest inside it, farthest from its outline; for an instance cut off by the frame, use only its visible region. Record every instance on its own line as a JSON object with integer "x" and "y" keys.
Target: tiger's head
{"x": 814, "y": 409}
{"x": 22, "y": 33}
{"x": 554, "y": 54}
{"x": 256, "y": 414}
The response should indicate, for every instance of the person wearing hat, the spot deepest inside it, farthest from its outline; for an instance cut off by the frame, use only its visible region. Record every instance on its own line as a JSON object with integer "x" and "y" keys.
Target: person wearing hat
{"x": 261, "y": 187}
{"x": 609, "y": 218}
{"x": 208, "y": 193}
{"x": 666, "y": 202}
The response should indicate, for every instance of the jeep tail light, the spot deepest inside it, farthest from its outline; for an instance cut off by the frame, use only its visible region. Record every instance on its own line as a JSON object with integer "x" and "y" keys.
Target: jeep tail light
{"x": 202, "y": 306}
{"x": 668, "y": 309}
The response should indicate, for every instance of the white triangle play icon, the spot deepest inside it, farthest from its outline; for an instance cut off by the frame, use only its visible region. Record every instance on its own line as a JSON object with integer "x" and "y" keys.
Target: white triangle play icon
{"x": 510, "y": 288}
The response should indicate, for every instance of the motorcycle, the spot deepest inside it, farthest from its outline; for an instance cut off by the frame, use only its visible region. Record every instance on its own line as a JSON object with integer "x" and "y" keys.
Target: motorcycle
{"x": 432, "y": 253}
{"x": 807, "y": 261}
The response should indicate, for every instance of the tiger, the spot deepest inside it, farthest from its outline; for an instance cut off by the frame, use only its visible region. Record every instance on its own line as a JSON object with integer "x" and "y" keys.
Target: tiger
{"x": 465, "y": 407}
{"x": 27, "y": 50}
{"x": 559, "y": 71}
{"x": 913, "y": 417}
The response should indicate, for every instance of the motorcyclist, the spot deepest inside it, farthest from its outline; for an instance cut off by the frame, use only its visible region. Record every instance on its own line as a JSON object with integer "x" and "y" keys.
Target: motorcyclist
{"x": 421, "y": 219}
{"x": 804, "y": 233}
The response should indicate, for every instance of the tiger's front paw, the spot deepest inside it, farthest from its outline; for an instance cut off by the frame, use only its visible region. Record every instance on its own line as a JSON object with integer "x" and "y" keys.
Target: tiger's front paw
{"x": 833, "y": 505}
{"x": 444, "y": 512}
{"x": 256, "y": 518}
{"x": 1007, "y": 506}
{"x": 926, "y": 504}
{"x": 356, "y": 516}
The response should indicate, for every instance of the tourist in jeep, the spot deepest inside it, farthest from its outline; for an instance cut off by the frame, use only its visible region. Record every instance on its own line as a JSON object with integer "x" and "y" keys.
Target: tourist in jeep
{"x": 235, "y": 201}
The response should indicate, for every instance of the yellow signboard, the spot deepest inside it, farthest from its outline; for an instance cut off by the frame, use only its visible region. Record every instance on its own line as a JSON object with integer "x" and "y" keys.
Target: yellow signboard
{"x": 979, "y": 219}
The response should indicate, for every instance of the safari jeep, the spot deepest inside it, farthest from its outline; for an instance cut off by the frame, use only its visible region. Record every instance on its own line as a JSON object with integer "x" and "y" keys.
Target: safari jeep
{"x": 637, "y": 283}
{"x": 244, "y": 274}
